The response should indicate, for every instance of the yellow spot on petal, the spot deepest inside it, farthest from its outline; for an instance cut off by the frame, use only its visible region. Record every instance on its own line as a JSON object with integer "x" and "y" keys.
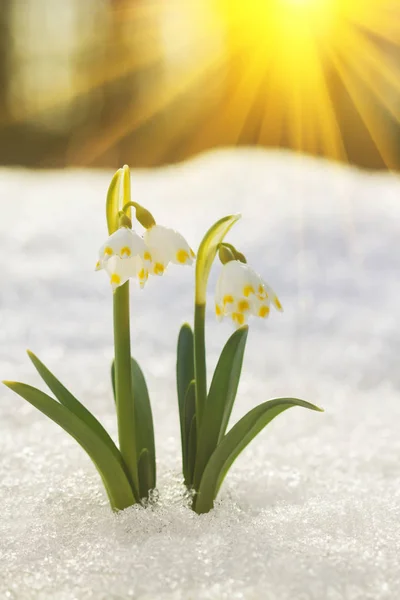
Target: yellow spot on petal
{"x": 277, "y": 303}
{"x": 108, "y": 251}
{"x": 182, "y": 256}
{"x": 116, "y": 279}
{"x": 159, "y": 269}
{"x": 263, "y": 311}
{"x": 141, "y": 274}
{"x": 238, "y": 318}
{"x": 218, "y": 310}
{"x": 192, "y": 254}
{"x": 147, "y": 255}
{"x": 247, "y": 290}
{"x": 125, "y": 250}
{"x": 98, "y": 265}
{"x": 227, "y": 299}
{"x": 261, "y": 292}
{"x": 243, "y": 305}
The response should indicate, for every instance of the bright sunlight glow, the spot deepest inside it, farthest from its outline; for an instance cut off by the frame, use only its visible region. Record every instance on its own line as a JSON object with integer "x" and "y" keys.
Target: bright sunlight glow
{"x": 265, "y": 70}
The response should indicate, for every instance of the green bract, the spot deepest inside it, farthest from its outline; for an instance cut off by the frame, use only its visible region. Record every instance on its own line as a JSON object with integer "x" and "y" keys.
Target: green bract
{"x": 207, "y": 450}
{"x": 207, "y": 251}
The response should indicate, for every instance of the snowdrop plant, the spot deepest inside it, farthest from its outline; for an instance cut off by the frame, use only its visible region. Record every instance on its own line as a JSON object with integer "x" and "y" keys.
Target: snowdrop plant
{"x": 128, "y": 470}
{"x": 208, "y": 450}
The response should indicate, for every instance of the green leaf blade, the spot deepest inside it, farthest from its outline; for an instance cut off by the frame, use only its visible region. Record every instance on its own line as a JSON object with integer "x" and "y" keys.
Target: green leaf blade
{"x": 189, "y": 414}
{"x": 144, "y": 422}
{"x": 145, "y": 472}
{"x": 64, "y": 396}
{"x": 118, "y": 487}
{"x": 184, "y": 377}
{"x": 220, "y": 399}
{"x": 191, "y": 450}
{"x": 234, "y": 442}
{"x": 144, "y": 435}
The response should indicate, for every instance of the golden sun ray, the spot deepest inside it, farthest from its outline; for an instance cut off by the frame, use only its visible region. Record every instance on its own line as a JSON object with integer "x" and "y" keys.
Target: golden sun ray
{"x": 159, "y": 98}
{"x": 257, "y": 71}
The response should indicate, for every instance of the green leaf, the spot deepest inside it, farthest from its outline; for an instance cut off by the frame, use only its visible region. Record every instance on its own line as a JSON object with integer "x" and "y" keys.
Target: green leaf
{"x": 145, "y": 472}
{"x": 191, "y": 451}
{"x": 67, "y": 399}
{"x": 143, "y": 416}
{"x": 119, "y": 490}
{"x": 220, "y": 399}
{"x": 144, "y": 422}
{"x": 207, "y": 251}
{"x": 184, "y": 375}
{"x": 234, "y": 442}
{"x": 113, "y": 380}
{"x": 189, "y": 413}
{"x": 113, "y": 201}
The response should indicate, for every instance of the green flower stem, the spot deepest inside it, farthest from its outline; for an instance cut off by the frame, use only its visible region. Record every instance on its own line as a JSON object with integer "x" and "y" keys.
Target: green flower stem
{"x": 123, "y": 382}
{"x": 200, "y": 360}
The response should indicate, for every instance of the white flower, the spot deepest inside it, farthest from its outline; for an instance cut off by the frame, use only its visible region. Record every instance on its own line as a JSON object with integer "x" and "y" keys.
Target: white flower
{"x": 121, "y": 269}
{"x": 242, "y": 292}
{"x": 165, "y": 245}
{"x": 122, "y": 256}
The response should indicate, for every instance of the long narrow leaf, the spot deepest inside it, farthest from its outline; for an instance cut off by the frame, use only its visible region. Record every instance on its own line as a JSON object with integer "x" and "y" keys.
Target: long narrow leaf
{"x": 145, "y": 472}
{"x": 67, "y": 399}
{"x": 144, "y": 421}
{"x": 235, "y": 348}
{"x": 117, "y": 485}
{"x": 143, "y": 416}
{"x": 191, "y": 451}
{"x": 220, "y": 399}
{"x": 184, "y": 375}
{"x": 189, "y": 413}
{"x": 113, "y": 380}
{"x": 234, "y": 442}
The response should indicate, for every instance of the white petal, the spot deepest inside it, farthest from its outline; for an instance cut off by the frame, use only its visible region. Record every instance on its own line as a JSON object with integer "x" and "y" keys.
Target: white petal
{"x": 233, "y": 280}
{"x": 158, "y": 249}
{"x": 240, "y": 292}
{"x": 273, "y": 297}
{"x": 121, "y": 269}
{"x": 124, "y": 243}
{"x": 165, "y": 245}
{"x": 183, "y": 254}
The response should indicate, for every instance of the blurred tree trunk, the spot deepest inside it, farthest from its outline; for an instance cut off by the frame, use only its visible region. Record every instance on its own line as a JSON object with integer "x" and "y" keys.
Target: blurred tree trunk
{"x": 5, "y": 6}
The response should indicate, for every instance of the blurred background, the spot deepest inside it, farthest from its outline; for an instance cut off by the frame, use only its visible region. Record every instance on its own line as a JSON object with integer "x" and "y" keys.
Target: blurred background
{"x": 151, "y": 82}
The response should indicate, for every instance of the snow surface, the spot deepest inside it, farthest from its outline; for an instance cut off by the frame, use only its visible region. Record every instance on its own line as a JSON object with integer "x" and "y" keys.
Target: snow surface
{"x": 311, "y": 509}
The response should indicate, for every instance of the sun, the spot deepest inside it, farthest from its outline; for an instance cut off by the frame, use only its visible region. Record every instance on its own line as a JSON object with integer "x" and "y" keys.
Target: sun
{"x": 289, "y": 54}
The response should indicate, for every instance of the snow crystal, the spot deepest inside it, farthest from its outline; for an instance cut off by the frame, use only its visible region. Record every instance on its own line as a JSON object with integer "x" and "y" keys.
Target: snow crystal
{"x": 311, "y": 509}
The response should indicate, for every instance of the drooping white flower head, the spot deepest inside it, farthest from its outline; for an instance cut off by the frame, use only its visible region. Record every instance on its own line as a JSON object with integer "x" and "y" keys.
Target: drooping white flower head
{"x": 242, "y": 292}
{"x": 165, "y": 245}
{"x": 122, "y": 256}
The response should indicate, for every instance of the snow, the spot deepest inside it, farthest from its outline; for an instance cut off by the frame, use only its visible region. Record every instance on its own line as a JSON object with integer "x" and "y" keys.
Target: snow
{"x": 311, "y": 509}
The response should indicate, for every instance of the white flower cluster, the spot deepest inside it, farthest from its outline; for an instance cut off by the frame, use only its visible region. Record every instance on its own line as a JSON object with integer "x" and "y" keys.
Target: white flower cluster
{"x": 242, "y": 292}
{"x": 128, "y": 255}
